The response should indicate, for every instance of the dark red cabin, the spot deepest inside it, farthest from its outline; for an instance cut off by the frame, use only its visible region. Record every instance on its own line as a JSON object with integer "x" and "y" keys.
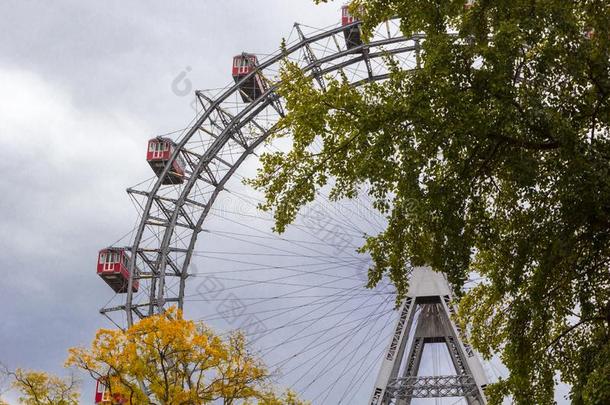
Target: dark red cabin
{"x": 113, "y": 267}
{"x": 103, "y": 397}
{"x": 352, "y": 34}
{"x": 158, "y": 154}
{"x": 253, "y": 87}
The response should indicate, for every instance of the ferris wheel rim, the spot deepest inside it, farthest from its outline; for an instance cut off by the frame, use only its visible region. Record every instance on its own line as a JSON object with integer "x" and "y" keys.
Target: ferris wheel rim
{"x": 247, "y": 115}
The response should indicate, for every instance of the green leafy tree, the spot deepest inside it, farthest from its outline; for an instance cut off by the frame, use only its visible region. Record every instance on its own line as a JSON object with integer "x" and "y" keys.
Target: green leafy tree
{"x": 493, "y": 157}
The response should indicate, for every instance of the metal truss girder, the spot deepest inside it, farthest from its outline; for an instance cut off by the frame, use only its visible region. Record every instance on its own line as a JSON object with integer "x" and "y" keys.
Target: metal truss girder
{"x": 207, "y": 131}
{"x": 237, "y": 136}
{"x": 170, "y": 249}
{"x": 311, "y": 58}
{"x": 226, "y": 117}
{"x": 370, "y": 55}
{"x": 134, "y": 307}
{"x": 173, "y": 266}
{"x": 461, "y": 333}
{"x": 211, "y": 179}
{"x": 454, "y": 351}
{"x": 153, "y": 265}
{"x": 168, "y": 199}
{"x": 155, "y": 221}
{"x": 432, "y": 387}
{"x": 274, "y": 101}
{"x": 367, "y": 62}
{"x": 367, "y": 80}
{"x": 204, "y": 100}
{"x": 149, "y": 263}
{"x": 412, "y": 365}
{"x": 221, "y": 160}
{"x": 146, "y": 275}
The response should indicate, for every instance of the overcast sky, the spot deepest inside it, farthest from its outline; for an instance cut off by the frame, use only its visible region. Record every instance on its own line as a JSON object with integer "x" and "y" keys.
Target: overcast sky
{"x": 83, "y": 85}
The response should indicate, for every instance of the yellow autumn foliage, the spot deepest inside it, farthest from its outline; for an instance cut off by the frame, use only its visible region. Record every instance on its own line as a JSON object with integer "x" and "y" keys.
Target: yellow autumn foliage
{"x": 165, "y": 359}
{"x": 40, "y": 388}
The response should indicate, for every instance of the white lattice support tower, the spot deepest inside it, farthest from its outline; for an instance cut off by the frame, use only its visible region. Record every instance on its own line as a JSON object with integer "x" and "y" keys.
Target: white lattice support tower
{"x": 429, "y": 292}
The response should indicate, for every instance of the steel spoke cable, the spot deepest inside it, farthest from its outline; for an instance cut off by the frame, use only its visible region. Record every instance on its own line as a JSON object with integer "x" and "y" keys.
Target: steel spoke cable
{"x": 215, "y": 231}
{"x": 340, "y": 264}
{"x": 331, "y": 310}
{"x": 225, "y": 252}
{"x": 271, "y": 247}
{"x": 341, "y": 335}
{"x": 351, "y": 357}
{"x": 386, "y": 326}
{"x": 214, "y": 210}
{"x": 375, "y": 218}
{"x": 273, "y": 268}
{"x": 369, "y": 369}
{"x": 276, "y": 309}
{"x": 297, "y": 291}
{"x": 271, "y": 348}
{"x": 328, "y": 296}
{"x": 254, "y": 201}
{"x": 334, "y": 327}
{"x": 333, "y": 347}
{"x": 226, "y": 259}
{"x": 326, "y": 207}
{"x": 346, "y": 339}
{"x": 315, "y": 340}
{"x": 343, "y": 373}
{"x": 319, "y": 272}
{"x": 335, "y": 298}
{"x": 276, "y": 297}
{"x": 334, "y": 206}
{"x": 302, "y": 321}
{"x": 294, "y": 323}
{"x": 287, "y": 310}
{"x": 346, "y": 262}
{"x": 300, "y": 216}
{"x": 283, "y": 283}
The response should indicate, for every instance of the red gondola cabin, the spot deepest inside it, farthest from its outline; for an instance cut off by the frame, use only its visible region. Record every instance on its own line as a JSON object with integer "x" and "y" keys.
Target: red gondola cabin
{"x": 158, "y": 154}
{"x": 254, "y": 87}
{"x": 103, "y": 397}
{"x": 113, "y": 267}
{"x": 352, "y": 34}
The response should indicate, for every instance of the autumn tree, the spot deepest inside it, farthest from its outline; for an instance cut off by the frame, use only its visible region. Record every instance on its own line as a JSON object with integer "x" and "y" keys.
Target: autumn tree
{"x": 40, "y": 388}
{"x": 492, "y": 158}
{"x": 165, "y": 359}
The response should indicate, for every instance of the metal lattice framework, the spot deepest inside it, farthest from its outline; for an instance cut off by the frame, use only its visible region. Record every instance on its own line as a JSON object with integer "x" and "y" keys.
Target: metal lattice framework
{"x": 425, "y": 319}
{"x": 432, "y": 386}
{"x": 223, "y": 135}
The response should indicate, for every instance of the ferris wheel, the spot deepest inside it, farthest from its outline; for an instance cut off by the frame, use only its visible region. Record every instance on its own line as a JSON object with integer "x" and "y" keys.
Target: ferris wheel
{"x": 202, "y": 245}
